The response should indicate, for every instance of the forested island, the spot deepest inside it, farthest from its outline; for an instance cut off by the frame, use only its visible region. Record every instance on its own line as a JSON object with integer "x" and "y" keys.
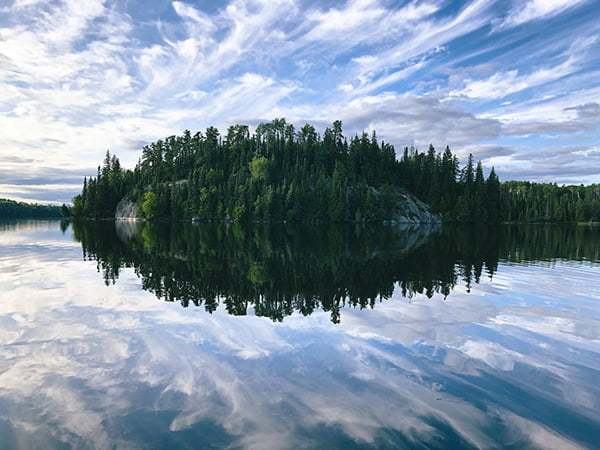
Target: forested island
{"x": 279, "y": 173}
{"x": 10, "y": 209}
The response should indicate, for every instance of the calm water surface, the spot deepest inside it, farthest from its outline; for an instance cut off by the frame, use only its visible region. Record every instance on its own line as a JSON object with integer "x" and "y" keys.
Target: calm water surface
{"x": 224, "y": 336}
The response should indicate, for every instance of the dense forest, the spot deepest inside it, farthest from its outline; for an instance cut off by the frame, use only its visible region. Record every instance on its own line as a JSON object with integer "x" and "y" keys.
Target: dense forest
{"x": 277, "y": 269}
{"x": 280, "y": 173}
{"x": 10, "y": 209}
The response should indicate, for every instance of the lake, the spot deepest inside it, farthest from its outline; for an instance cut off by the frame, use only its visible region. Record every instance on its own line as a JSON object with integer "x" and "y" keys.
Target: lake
{"x": 153, "y": 335}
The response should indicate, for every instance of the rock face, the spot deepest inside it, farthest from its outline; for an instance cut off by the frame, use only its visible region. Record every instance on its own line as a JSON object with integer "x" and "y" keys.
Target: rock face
{"x": 409, "y": 209}
{"x": 126, "y": 210}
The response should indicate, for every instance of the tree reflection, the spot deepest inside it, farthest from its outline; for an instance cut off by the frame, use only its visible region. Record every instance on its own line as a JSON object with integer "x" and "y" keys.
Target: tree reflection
{"x": 279, "y": 269}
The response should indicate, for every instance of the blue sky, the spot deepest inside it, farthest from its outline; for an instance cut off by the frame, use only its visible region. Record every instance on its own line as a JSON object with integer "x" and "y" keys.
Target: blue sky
{"x": 516, "y": 83}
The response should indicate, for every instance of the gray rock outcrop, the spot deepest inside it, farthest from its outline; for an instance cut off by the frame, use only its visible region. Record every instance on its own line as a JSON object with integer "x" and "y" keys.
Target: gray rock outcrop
{"x": 126, "y": 210}
{"x": 409, "y": 209}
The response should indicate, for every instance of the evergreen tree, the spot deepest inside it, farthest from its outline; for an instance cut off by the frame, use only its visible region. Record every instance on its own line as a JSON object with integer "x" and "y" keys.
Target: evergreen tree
{"x": 283, "y": 174}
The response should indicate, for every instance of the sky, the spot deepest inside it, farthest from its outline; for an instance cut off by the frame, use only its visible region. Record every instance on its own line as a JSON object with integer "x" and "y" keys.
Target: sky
{"x": 515, "y": 83}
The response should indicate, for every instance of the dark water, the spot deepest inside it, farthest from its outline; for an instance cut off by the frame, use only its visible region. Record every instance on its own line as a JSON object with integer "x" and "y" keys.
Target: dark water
{"x": 227, "y": 336}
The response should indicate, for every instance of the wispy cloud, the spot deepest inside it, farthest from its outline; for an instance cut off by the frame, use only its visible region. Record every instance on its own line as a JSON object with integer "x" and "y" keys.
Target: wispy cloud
{"x": 78, "y": 78}
{"x": 503, "y": 84}
{"x": 530, "y": 10}
{"x": 411, "y": 37}
{"x": 247, "y": 30}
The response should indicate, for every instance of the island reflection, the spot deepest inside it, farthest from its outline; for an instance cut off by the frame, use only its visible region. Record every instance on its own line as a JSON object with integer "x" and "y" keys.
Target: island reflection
{"x": 279, "y": 269}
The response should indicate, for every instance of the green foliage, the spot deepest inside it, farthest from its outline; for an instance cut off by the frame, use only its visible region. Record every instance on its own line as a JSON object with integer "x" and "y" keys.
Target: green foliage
{"x": 460, "y": 195}
{"x": 523, "y": 201}
{"x": 149, "y": 207}
{"x": 100, "y": 195}
{"x": 259, "y": 168}
{"x": 65, "y": 211}
{"x": 278, "y": 174}
{"x": 10, "y": 209}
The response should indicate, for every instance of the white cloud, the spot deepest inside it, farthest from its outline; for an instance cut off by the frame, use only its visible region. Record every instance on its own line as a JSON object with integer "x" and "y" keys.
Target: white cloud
{"x": 364, "y": 22}
{"x": 574, "y": 54}
{"x": 94, "y": 75}
{"x": 403, "y": 119}
{"x": 554, "y": 109}
{"x": 566, "y": 164}
{"x": 340, "y": 24}
{"x": 199, "y": 25}
{"x": 250, "y": 30}
{"x": 80, "y": 359}
{"x": 407, "y": 37}
{"x": 503, "y": 84}
{"x": 25, "y": 3}
{"x": 537, "y": 9}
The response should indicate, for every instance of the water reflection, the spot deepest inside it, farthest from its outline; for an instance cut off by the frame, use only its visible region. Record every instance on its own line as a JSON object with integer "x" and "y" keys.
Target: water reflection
{"x": 514, "y": 363}
{"x": 279, "y": 269}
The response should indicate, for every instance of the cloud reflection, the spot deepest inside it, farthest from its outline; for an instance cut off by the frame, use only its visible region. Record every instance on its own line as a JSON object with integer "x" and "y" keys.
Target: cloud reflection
{"x": 88, "y": 365}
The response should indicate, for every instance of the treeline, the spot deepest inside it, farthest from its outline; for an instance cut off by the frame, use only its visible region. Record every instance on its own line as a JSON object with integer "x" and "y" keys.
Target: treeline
{"x": 100, "y": 195}
{"x": 277, "y": 270}
{"x": 277, "y": 173}
{"x": 531, "y": 202}
{"x": 280, "y": 173}
{"x": 461, "y": 195}
{"x": 10, "y": 209}
{"x": 466, "y": 196}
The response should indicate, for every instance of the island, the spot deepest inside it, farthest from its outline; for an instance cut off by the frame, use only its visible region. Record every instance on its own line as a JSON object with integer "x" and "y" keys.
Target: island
{"x": 279, "y": 173}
